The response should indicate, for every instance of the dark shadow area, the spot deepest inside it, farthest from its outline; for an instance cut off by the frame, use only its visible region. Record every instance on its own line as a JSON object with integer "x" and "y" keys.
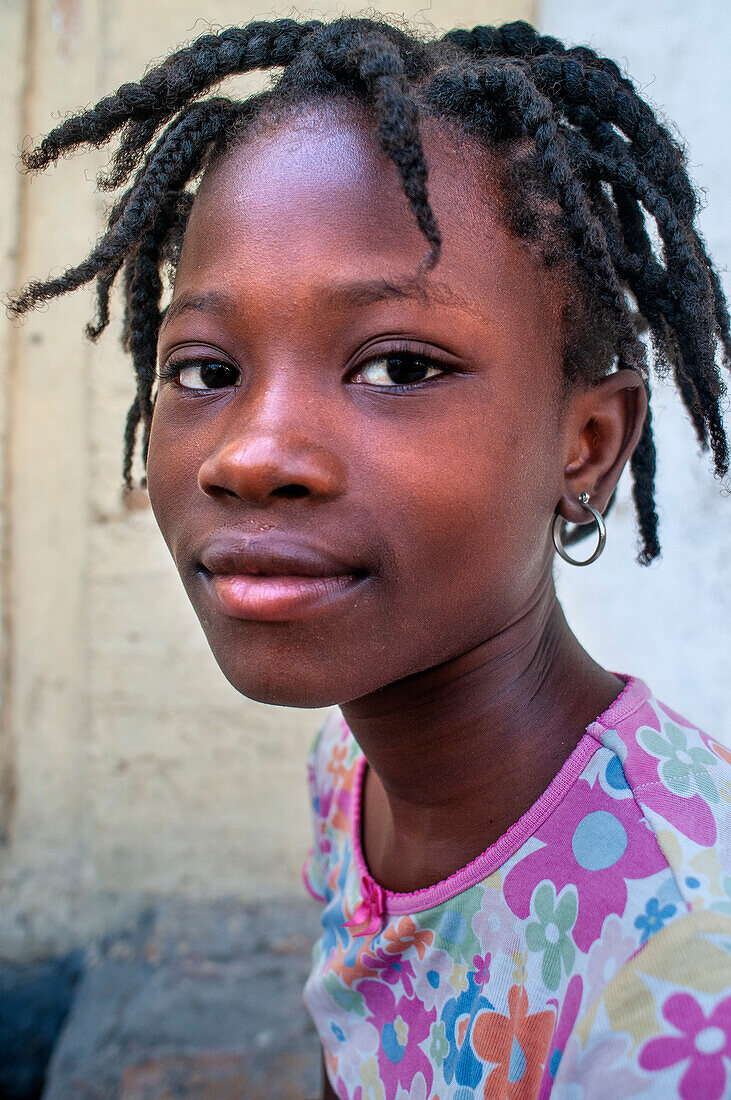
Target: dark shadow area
{"x": 34, "y": 1002}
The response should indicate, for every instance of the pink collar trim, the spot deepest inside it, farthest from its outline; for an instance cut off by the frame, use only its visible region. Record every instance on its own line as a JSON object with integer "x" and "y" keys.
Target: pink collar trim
{"x": 634, "y": 694}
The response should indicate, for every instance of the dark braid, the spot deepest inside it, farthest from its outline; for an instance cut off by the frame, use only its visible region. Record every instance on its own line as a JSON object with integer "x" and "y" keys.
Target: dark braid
{"x": 140, "y": 109}
{"x": 176, "y": 158}
{"x": 585, "y": 163}
{"x": 143, "y": 325}
{"x": 642, "y": 464}
{"x": 380, "y": 66}
{"x": 537, "y": 118}
{"x": 688, "y": 287}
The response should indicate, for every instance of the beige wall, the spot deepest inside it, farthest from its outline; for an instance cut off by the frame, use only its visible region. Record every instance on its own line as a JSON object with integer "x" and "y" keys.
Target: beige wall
{"x": 128, "y": 766}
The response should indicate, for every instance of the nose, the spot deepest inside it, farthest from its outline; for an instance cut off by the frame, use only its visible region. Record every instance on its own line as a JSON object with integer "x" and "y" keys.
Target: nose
{"x": 263, "y": 466}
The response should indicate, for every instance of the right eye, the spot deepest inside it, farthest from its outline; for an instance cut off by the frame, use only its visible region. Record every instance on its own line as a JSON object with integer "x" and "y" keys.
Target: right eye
{"x": 202, "y": 374}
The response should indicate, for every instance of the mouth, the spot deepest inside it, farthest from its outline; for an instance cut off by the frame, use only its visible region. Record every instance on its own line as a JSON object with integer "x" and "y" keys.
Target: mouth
{"x": 273, "y": 580}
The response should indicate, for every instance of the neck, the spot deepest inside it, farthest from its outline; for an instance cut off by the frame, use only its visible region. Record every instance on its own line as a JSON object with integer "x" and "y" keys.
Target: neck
{"x": 457, "y": 753}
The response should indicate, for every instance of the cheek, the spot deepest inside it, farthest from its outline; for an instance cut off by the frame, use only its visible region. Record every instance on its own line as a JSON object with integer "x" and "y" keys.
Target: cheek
{"x": 173, "y": 462}
{"x": 488, "y": 480}
{"x": 471, "y": 516}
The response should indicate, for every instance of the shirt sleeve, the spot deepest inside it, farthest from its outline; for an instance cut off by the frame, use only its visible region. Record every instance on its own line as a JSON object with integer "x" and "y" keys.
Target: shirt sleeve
{"x": 662, "y": 1027}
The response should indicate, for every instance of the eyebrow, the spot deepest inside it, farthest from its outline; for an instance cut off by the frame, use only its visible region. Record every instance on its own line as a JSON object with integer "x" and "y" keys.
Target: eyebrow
{"x": 354, "y": 294}
{"x": 213, "y": 301}
{"x": 379, "y": 290}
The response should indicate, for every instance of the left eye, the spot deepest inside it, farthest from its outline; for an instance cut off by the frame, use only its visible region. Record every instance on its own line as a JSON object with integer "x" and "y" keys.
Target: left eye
{"x": 398, "y": 369}
{"x": 206, "y": 374}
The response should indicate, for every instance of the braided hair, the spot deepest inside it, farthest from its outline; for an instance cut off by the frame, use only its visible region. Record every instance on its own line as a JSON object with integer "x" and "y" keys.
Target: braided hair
{"x": 592, "y": 168}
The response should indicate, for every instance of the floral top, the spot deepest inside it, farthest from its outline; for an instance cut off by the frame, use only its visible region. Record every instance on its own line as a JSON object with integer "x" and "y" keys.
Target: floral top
{"x": 587, "y": 953}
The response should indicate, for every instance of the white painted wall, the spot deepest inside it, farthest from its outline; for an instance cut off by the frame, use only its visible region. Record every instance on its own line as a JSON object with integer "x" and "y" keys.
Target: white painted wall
{"x": 671, "y": 623}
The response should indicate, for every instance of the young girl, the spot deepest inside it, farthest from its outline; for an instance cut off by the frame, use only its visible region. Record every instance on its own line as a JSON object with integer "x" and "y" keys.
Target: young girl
{"x": 372, "y": 408}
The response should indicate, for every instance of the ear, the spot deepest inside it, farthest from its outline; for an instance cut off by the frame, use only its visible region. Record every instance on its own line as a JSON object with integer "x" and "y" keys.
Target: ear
{"x": 603, "y": 427}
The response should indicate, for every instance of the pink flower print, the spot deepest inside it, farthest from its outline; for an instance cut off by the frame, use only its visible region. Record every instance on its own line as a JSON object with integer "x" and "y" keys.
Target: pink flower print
{"x": 494, "y": 924}
{"x": 706, "y": 1041}
{"x": 600, "y": 1070}
{"x": 433, "y": 987}
{"x": 338, "y": 960}
{"x": 391, "y": 968}
{"x": 595, "y": 842}
{"x": 690, "y": 814}
{"x": 723, "y": 846}
{"x": 564, "y": 1027}
{"x": 607, "y": 955}
{"x": 349, "y": 1038}
{"x": 324, "y": 803}
{"x": 692, "y": 817}
{"x": 403, "y": 1025}
{"x": 417, "y": 1090}
{"x": 341, "y": 813}
{"x": 350, "y": 1045}
{"x": 482, "y": 968}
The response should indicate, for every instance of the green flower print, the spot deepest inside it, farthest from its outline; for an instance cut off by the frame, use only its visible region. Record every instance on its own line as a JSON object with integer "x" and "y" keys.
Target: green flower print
{"x": 439, "y": 1046}
{"x": 550, "y": 933}
{"x": 684, "y": 771}
{"x": 452, "y": 927}
{"x": 347, "y": 998}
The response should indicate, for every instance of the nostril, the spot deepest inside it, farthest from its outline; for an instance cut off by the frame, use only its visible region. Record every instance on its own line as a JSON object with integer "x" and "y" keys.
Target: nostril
{"x": 290, "y": 492}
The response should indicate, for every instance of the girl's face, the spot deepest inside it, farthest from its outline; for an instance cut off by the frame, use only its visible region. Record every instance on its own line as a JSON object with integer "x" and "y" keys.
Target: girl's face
{"x": 355, "y": 464}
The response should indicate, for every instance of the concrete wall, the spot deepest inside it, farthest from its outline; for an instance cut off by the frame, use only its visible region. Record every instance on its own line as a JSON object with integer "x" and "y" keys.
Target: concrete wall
{"x": 671, "y": 623}
{"x": 128, "y": 766}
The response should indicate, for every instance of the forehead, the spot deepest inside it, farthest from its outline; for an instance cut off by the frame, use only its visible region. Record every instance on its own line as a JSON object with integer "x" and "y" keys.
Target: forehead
{"x": 330, "y": 153}
{"x": 313, "y": 200}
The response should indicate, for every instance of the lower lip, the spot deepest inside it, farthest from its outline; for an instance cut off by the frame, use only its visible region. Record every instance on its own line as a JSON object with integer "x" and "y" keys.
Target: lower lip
{"x": 278, "y": 599}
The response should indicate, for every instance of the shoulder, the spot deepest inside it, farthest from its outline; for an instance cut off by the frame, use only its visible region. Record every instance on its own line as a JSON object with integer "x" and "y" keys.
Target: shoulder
{"x": 662, "y": 1027}
{"x": 332, "y": 760}
{"x": 332, "y": 770}
{"x": 680, "y": 777}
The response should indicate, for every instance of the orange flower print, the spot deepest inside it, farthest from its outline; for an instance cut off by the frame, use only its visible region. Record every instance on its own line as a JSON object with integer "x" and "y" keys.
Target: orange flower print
{"x": 349, "y": 974}
{"x": 336, "y": 763}
{"x": 407, "y": 933}
{"x": 518, "y": 1043}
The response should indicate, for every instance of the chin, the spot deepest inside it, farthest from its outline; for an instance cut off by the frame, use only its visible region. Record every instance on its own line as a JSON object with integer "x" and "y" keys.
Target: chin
{"x": 288, "y": 690}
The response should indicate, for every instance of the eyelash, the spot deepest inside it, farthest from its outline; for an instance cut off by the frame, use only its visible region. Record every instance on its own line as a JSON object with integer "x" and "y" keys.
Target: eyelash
{"x": 170, "y": 371}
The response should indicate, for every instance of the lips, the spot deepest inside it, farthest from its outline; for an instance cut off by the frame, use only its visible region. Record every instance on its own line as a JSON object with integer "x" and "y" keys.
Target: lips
{"x": 266, "y": 579}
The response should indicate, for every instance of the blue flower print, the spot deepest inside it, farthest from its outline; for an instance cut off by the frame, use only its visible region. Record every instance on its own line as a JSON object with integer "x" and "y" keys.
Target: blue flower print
{"x": 458, "y": 1016}
{"x": 653, "y": 919}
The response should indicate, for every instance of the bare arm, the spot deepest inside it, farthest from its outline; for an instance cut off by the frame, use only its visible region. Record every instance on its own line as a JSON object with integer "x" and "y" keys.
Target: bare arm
{"x": 327, "y": 1089}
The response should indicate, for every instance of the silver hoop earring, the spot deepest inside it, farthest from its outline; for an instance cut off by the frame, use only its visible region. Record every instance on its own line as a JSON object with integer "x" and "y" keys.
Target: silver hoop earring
{"x": 559, "y": 526}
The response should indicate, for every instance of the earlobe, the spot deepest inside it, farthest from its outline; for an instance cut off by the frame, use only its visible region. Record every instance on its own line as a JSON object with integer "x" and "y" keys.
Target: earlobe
{"x": 602, "y": 430}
